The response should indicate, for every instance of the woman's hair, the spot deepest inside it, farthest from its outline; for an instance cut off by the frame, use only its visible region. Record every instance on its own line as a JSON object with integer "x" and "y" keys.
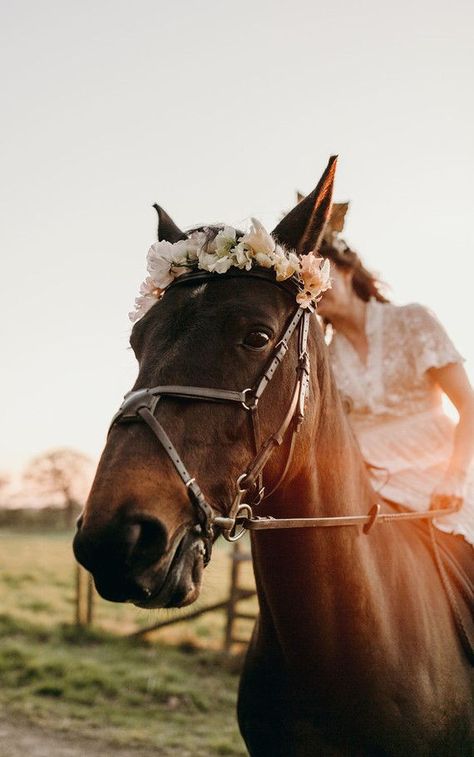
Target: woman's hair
{"x": 364, "y": 283}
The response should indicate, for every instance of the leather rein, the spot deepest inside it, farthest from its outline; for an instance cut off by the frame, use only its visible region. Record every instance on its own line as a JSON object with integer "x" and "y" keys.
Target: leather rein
{"x": 140, "y": 405}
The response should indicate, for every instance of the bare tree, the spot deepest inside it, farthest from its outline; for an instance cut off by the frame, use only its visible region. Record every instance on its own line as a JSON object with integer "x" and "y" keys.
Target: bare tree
{"x": 63, "y": 475}
{"x": 5, "y": 481}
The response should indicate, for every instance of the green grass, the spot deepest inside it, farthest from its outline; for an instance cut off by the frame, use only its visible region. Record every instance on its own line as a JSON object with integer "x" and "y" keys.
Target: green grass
{"x": 37, "y": 585}
{"x": 176, "y": 694}
{"x": 94, "y": 683}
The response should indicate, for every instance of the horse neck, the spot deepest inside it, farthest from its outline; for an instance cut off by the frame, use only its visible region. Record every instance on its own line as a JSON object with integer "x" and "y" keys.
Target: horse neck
{"x": 336, "y": 567}
{"x": 329, "y": 474}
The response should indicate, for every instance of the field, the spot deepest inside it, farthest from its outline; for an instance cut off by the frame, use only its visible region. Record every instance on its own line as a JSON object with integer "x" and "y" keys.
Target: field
{"x": 174, "y": 692}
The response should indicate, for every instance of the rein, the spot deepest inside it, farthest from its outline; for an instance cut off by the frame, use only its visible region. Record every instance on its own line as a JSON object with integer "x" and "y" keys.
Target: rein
{"x": 251, "y": 522}
{"x": 140, "y": 405}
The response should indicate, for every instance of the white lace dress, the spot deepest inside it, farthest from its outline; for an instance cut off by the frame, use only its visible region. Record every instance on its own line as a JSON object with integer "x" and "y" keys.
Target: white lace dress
{"x": 396, "y": 408}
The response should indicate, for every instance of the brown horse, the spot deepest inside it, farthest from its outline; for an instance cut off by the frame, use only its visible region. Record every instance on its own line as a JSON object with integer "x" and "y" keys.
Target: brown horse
{"x": 355, "y": 651}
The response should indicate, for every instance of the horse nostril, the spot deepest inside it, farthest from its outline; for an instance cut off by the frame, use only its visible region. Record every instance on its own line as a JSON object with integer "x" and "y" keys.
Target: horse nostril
{"x": 130, "y": 536}
{"x": 148, "y": 539}
{"x": 79, "y": 522}
{"x": 132, "y": 544}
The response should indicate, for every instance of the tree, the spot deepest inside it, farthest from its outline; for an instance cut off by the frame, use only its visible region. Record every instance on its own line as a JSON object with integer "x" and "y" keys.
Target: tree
{"x": 5, "y": 481}
{"x": 64, "y": 476}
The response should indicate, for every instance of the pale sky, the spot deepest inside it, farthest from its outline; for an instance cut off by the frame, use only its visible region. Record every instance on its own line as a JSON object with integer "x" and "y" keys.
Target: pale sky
{"x": 218, "y": 111}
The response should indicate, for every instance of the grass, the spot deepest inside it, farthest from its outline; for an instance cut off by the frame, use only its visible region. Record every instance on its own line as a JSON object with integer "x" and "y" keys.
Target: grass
{"x": 176, "y": 694}
{"x": 179, "y": 701}
{"x": 37, "y": 585}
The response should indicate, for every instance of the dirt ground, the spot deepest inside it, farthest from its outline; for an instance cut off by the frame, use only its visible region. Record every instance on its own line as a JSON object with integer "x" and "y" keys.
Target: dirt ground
{"x": 18, "y": 738}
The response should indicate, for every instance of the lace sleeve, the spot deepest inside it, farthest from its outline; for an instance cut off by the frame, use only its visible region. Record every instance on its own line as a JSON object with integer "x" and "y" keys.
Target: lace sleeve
{"x": 432, "y": 347}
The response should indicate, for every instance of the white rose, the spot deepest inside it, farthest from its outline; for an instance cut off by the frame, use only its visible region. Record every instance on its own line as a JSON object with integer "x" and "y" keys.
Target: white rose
{"x": 180, "y": 252}
{"x": 222, "y": 265}
{"x": 224, "y": 241}
{"x": 160, "y": 250}
{"x": 195, "y": 243}
{"x": 159, "y": 260}
{"x": 242, "y": 256}
{"x": 207, "y": 260}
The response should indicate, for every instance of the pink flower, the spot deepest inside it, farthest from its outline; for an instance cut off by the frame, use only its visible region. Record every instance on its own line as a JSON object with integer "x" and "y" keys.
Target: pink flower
{"x": 149, "y": 294}
{"x": 315, "y": 278}
{"x": 149, "y": 286}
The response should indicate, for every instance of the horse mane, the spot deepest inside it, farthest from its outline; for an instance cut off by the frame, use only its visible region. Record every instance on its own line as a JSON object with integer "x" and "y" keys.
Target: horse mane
{"x": 338, "y": 452}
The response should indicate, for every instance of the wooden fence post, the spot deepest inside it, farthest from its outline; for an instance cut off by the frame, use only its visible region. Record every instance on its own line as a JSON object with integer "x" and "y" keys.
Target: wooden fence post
{"x": 84, "y": 599}
{"x": 90, "y": 600}
{"x": 77, "y": 599}
{"x": 236, "y": 594}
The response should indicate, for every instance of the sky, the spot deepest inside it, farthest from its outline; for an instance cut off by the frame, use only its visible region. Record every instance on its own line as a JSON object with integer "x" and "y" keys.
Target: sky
{"x": 218, "y": 111}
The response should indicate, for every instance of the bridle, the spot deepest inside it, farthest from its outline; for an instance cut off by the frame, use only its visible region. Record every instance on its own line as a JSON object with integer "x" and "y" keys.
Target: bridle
{"x": 140, "y": 405}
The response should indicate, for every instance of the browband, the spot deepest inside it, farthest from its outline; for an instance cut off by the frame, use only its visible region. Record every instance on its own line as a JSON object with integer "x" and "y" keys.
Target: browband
{"x": 290, "y": 285}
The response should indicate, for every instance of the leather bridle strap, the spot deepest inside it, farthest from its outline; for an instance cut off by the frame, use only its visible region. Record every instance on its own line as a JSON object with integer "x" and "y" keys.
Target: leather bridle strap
{"x": 142, "y": 404}
{"x": 301, "y": 318}
{"x": 294, "y": 414}
{"x": 204, "y": 511}
{"x": 279, "y": 352}
{"x": 250, "y": 522}
{"x": 275, "y": 440}
{"x": 127, "y": 410}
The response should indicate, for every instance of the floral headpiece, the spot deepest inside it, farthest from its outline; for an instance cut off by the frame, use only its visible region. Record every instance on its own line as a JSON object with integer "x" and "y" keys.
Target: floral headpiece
{"x": 166, "y": 261}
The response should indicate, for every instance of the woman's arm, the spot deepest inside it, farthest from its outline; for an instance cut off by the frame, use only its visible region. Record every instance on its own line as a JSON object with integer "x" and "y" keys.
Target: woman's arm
{"x": 454, "y": 382}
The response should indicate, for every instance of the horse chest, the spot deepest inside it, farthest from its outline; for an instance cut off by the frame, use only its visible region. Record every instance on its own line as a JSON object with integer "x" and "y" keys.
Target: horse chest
{"x": 286, "y": 717}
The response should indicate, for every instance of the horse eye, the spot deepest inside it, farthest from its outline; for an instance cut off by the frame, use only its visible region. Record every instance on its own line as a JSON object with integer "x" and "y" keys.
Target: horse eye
{"x": 256, "y": 340}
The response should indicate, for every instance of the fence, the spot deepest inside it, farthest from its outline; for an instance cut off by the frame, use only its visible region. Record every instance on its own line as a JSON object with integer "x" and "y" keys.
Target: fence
{"x": 85, "y": 599}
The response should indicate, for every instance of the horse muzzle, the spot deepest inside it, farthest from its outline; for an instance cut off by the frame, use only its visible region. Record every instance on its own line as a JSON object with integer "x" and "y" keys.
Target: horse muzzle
{"x": 133, "y": 562}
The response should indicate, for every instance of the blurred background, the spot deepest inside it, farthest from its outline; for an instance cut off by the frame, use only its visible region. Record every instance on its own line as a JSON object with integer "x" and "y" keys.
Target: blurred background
{"x": 218, "y": 111}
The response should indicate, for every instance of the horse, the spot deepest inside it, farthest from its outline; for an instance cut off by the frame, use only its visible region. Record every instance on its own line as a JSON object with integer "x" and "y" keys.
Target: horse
{"x": 354, "y": 651}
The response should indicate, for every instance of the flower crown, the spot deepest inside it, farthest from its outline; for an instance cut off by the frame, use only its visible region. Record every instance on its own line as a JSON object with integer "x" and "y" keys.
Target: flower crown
{"x": 166, "y": 261}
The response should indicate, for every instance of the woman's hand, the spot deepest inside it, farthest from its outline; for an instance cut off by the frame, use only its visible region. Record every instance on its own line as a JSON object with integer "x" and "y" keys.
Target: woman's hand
{"x": 449, "y": 492}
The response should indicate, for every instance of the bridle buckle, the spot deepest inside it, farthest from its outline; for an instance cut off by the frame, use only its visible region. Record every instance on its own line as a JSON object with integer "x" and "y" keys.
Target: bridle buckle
{"x": 231, "y": 529}
{"x": 249, "y": 405}
{"x": 304, "y": 363}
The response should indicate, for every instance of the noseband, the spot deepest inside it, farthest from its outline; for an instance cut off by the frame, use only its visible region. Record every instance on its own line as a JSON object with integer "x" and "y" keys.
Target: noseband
{"x": 140, "y": 405}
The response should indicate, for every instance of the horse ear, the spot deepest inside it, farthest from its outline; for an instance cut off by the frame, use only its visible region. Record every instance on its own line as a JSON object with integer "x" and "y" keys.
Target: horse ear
{"x": 167, "y": 229}
{"x": 302, "y": 228}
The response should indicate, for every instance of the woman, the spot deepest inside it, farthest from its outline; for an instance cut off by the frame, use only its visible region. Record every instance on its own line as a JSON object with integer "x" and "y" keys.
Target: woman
{"x": 392, "y": 365}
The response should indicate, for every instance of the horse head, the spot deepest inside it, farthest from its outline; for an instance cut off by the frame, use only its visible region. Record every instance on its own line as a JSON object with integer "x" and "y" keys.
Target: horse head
{"x": 172, "y": 460}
